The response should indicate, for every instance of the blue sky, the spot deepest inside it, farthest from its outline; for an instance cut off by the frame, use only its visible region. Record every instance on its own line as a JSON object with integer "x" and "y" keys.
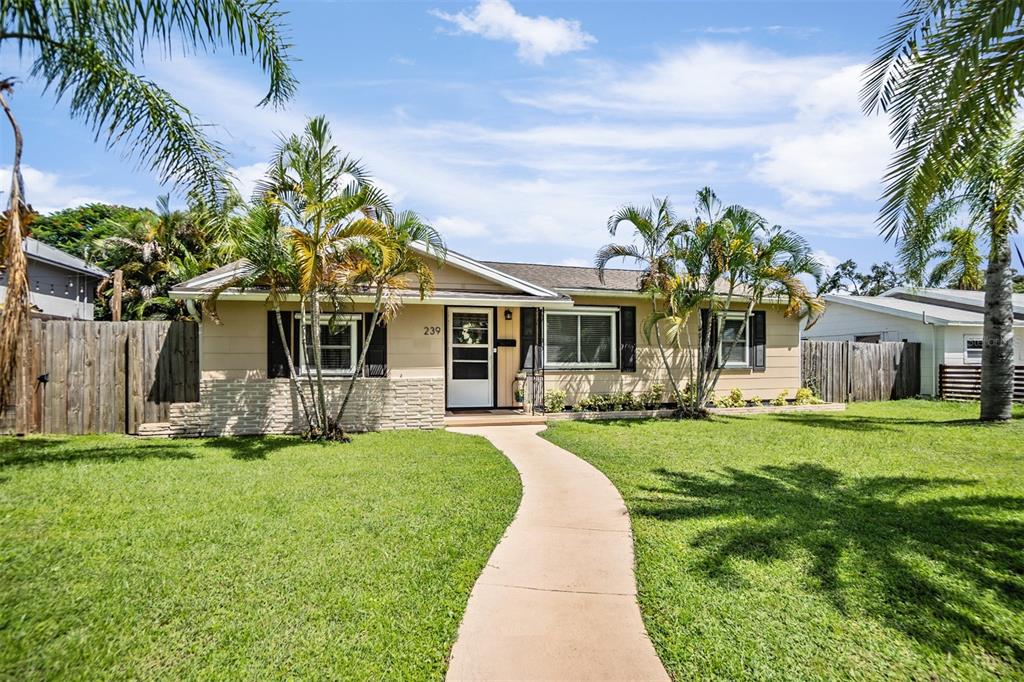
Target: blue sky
{"x": 518, "y": 127}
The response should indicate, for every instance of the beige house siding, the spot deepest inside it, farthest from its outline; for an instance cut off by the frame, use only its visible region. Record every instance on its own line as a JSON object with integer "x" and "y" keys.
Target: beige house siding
{"x": 781, "y": 373}
{"x": 237, "y": 397}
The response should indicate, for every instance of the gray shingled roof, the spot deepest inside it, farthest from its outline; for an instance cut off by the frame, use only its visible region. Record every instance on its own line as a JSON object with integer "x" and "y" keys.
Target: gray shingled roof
{"x": 44, "y": 252}
{"x": 569, "y": 276}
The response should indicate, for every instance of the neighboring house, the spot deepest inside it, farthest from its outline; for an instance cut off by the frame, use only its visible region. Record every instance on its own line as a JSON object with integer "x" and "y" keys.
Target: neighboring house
{"x": 948, "y": 323}
{"x": 463, "y": 347}
{"x": 61, "y": 286}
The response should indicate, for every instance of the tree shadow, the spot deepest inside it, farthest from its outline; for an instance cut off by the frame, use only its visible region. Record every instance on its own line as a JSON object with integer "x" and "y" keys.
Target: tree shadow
{"x": 18, "y": 452}
{"x": 838, "y": 420}
{"x": 249, "y": 448}
{"x": 943, "y": 570}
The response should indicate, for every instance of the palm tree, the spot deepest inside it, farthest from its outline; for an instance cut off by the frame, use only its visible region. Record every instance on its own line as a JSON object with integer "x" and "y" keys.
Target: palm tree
{"x": 332, "y": 215}
{"x": 657, "y": 228}
{"x": 86, "y": 53}
{"x": 386, "y": 280}
{"x": 951, "y": 74}
{"x": 732, "y": 255}
{"x": 259, "y": 241}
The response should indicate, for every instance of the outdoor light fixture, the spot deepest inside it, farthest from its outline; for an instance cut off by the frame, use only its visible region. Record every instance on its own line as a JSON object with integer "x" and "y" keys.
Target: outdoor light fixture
{"x": 508, "y": 314}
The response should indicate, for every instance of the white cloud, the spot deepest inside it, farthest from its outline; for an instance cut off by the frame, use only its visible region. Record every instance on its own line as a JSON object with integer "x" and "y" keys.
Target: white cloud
{"x": 246, "y": 178}
{"x": 536, "y": 38}
{"x": 828, "y": 262}
{"x": 707, "y": 80}
{"x": 457, "y": 226}
{"x": 47, "y": 192}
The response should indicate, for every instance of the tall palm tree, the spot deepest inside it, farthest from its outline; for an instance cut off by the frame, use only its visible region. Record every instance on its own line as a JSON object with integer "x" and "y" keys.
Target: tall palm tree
{"x": 951, "y": 76}
{"x": 86, "y": 53}
{"x": 259, "y": 241}
{"x": 332, "y": 215}
{"x": 386, "y": 279}
{"x": 656, "y": 227}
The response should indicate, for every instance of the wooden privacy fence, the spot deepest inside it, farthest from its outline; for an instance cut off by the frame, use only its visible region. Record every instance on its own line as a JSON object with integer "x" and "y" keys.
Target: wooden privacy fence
{"x": 79, "y": 377}
{"x": 963, "y": 382}
{"x": 846, "y": 371}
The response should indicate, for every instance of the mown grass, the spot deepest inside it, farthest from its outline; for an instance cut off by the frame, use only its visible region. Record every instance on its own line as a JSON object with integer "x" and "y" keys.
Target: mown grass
{"x": 243, "y": 558}
{"x": 883, "y": 542}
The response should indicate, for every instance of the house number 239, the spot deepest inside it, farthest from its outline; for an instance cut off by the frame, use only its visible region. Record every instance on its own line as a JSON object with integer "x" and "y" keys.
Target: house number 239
{"x": 431, "y": 331}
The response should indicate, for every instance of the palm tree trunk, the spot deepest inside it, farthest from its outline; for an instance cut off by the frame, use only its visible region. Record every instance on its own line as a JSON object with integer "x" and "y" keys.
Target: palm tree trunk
{"x": 315, "y": 421}
{"x": 321, "y": 397}
{"x": 362, "y": 356}
{"x": 16, "y": 304}
{"x": 997, "y": 352}
{"x": 292, "y": 376}
{"x": 668, "y": 366}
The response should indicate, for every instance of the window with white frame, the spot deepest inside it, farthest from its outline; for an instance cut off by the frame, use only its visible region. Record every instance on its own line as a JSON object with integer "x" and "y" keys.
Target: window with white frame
{"x": 580, "y": 338}
{"x": 972, "y": 349}
{"x": 338, "y": 341}
{"x": 734, "y": 341}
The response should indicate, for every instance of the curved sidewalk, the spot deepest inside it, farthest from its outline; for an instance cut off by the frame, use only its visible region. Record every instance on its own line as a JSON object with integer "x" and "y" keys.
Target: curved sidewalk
{"x": 557, "y": 599}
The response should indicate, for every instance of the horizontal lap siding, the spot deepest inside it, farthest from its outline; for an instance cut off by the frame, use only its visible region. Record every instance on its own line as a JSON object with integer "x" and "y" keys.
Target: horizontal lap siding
{"x": 782, "y": 367}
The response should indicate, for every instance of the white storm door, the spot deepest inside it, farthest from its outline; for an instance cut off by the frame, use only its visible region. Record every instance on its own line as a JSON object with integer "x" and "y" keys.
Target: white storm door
{"x": 470, "y": 357}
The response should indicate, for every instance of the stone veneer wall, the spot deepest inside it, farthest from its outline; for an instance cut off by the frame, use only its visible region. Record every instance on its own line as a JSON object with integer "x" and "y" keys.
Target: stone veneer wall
{"x": 255, "y": 406}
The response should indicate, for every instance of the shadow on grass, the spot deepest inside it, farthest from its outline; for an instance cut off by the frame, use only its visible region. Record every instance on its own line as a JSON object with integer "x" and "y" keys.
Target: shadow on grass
{"x": 945, "y": 571}
{"x": 41, "y": 451}
{"x": 253, "y": 447}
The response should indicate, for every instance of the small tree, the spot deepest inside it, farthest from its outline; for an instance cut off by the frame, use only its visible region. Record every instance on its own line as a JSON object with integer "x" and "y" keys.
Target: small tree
{"x": 386, "y": 279}
{"x": 722, "y": 257}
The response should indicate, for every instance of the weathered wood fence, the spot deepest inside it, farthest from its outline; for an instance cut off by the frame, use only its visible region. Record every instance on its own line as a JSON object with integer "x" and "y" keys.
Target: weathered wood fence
{"x": 847, "y": 371}
{"x": 79, "y": 377}
{"x": 963, "y": 382}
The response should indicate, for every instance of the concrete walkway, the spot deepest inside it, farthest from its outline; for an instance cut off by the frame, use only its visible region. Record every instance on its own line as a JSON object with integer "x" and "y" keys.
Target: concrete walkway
{"x": 557, "y": 600}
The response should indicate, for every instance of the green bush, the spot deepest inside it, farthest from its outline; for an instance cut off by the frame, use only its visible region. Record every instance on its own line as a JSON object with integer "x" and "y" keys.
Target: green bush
{"x": 554, "y": 400}
{"x": 781, "y": 399}
{"x": 651, "y": 398}
{"x": 805, "y": 396}
{"x": 734, "y": 399}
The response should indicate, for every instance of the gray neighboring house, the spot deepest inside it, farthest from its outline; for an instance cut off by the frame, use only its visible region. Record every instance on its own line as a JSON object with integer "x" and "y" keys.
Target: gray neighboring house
{"x": 948, "y": 323}
{"x": 61, "y": 286}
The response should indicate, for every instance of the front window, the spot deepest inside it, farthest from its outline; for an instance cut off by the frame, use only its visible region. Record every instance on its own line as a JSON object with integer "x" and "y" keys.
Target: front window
{"x": 580, "y": 338}
{"x": 337, "y": 346}
{"x": 734, "y": 346}
{"x": 972, "y": 350}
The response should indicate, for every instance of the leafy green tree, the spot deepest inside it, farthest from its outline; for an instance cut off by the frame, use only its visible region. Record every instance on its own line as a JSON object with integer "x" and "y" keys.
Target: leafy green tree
{"x": 86, "y": 54}
{"x": 950, "y": 74}
{"x": 75, "y": 230}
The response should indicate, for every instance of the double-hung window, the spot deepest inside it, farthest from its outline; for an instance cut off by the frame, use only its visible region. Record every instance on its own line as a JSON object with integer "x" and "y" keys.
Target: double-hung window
{"x": 338, "y": 342}
{"x": 973, "y": 344}
{"x": 734, "y": 341}
{"x": 581, "y": 338}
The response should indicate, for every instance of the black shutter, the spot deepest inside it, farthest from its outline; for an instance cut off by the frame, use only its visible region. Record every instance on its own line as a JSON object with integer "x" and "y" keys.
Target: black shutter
{"x": 277, "y": 361}
{"x": 627, "y": 338}
{"x": 711, "y": 361}
{"x": 527, "y": 337}
{"x": 758, "y": 340}
{"x": 377, "y": 354}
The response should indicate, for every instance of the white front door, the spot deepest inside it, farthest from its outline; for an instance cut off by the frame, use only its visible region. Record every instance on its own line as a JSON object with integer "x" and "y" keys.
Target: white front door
{"x": 470, "y": 357}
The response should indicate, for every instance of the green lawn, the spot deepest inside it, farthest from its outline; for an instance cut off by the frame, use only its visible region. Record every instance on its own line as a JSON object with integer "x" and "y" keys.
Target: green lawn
{"x": 883, "y": 542}
{"x": 243, "y": 558}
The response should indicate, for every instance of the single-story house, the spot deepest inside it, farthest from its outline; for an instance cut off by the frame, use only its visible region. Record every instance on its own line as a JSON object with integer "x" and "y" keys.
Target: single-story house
{"x": 948, "y": 323}
{"x": 462, "y": 348}
{"x": 61, "y": 286}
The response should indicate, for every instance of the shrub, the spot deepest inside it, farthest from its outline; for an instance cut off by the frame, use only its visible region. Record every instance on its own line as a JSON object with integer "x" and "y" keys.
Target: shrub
{"x": 613, "y": 402}
{"x": 554, "y": 400}
{"x": 805, "y": 396}
{"x": 754, "y": 401}
{"x": 781, "y": 399}
{"x": 651, "y": 398}
{"x": 734, "y": 399}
